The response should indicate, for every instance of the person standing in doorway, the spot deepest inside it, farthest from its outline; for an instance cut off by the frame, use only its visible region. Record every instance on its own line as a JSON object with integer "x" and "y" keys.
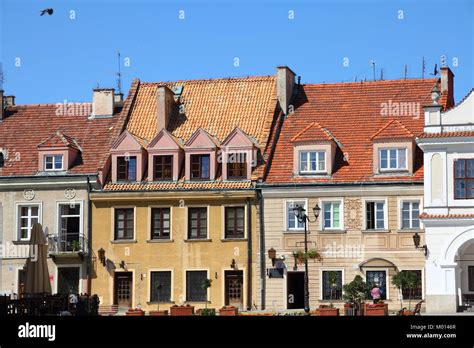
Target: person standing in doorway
{"x": 375, "y": 293}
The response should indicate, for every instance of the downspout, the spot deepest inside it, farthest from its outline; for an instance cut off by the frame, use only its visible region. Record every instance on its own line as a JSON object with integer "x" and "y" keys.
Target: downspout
{"x": 89, "y": 238}
{"x": 263, "y": 273}
{"x": 249, "y": 255}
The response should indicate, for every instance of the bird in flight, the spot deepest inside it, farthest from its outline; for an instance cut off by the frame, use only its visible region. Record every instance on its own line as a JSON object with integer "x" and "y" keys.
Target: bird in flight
{"x": 47, "y": 11}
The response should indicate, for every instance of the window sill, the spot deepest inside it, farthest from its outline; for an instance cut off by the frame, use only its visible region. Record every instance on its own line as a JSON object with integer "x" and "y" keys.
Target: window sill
{"x": 411, "y": 230}
{"x": 393, "y": 173}
{"x": 376, "y": 231}
{"x": 234, "y": 240}
{"x": 196, "y": 302}
{"x": 21, "y": 242}
{"x": 126, "y": 241}
{"x": 160, "y": 241}
{"x": 160, "y": 302}
{"x": 197, "y": 240}
{"x": 294, "y": 232}
{"x": 335, "y": 231}
{"x": 334, "y": 301}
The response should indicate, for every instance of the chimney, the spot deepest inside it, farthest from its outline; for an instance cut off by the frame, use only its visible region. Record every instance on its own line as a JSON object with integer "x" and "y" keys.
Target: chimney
{"x": 164, "y": 107}
{"x": 447, "y": 85}
{"x": 1, "y": 106}
{"x": 285, "y": 85}
{"x": 118, "y": 99}
{"x": 9, "y": 100}
{"x": 103, "y": 102}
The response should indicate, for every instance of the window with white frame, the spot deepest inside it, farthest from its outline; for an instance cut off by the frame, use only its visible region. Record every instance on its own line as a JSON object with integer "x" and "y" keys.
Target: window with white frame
{"x": 292, "y": 222}
{"x": 27, "y": 216}
{"x": 332, "y": 285}
{"x": 53, "y": 162}
{"x": 312, "y": 162}
{"x": 410, "y": 214}
{"x": 375, "y": 215}
{"x": 393, "y": 159}
{"x": 69, "y": 227}
{"x": 332, "y": 215}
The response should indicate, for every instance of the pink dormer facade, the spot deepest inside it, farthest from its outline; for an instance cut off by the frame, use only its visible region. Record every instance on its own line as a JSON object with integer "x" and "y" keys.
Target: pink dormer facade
{"x": 201, "y": 156}
{"x": 128, "y": 159}
{"x": 238, "y": 156}
{"x": 164, "y": 151}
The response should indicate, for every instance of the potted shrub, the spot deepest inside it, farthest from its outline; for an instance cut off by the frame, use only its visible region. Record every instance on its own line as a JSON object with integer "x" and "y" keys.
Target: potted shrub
{"x": 355, "y": 293}
{"x": 137, "y": 312}
{"x": 206, "y": 312}
{"x": 405, "y": 280}
{"x": 229, "y": 311}
{"x": 314, "y": 255}
{"x": 158, "y": 312}
{"x": 181, "y": 310}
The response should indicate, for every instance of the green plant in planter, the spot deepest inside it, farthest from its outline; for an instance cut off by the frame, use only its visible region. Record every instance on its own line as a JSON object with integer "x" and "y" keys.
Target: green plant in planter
{"x": 406, "y": 280}
{"x": 301, "y": 256}
{"x": 75, "y": 245}
{"x": 356, "y": 291}
{"x": 206, "y": 284}
{"x": 314, "y": 254}
{"x": 208, "y": 312}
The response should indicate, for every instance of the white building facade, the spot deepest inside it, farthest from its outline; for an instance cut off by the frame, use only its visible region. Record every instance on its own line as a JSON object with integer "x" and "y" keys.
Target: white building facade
{"x": 448, "y": 217}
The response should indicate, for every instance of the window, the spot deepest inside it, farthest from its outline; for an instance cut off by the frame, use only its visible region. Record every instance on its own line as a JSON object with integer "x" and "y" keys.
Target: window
{"x": 160, "y": 223}
{"x": 124, "y": 223}
{"x": 160, "y": 286}
{"x": 27, "y": 215}
{"x": 464, "y": 179}
{"x": 417, "y": 292}
{"x": 200, "y": 167}
{"x": 375, "y": 215}
{"x": 197, "y": 223}
{"x": 53, "y": 162}
{"x": 127, "y": 168}
{"x": 69, "y": 227}
{"x": 332, "y": 285}
{"x": 378, "y": 278}
{"x": 312, "y": 162}
{"x": 234, "y": 222}
{"x": 292, "y": 221}
{"x": 163, "y": 168}
{"x": 194, "y": 289}
{"x": 2, "y": 160}
{"x": 332, "y": 215}
{"x": 470, "y": 275}
{"x": 410, "y": 215}
{"x": 393, "y": 159}
{"x": 237, "y": 166}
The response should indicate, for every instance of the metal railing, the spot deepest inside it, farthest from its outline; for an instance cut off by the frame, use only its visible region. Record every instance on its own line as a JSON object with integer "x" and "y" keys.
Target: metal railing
{"x": 67, "y": 243}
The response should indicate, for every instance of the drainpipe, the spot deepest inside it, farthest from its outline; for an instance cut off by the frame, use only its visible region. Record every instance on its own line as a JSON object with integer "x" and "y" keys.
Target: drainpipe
{"x": 89, "y": 238}
{"x": 263, "y": 273}
{"x": 249, "y": 255}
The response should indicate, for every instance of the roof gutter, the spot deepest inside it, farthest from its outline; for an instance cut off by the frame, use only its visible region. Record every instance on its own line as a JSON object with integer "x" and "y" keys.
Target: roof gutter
{"x": 322, "y": 184}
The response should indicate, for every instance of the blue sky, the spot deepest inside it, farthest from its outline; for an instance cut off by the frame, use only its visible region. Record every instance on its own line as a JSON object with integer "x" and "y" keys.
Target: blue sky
{"x": 51, "y": 58}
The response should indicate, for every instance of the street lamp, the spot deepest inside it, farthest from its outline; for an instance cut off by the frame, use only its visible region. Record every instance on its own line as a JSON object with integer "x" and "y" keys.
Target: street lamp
{"x": 416, "y": 241}
{"x": 302, "y": 217}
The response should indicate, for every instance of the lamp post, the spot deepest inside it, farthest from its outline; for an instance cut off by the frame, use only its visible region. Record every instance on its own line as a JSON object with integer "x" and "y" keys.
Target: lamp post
{"x": 302, "y": 217}
{"x": 416, "y": 241}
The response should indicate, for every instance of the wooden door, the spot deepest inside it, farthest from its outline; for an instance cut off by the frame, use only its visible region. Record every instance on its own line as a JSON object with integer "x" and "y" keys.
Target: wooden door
{"x": 123, "y": 289}
{"x": 234, "y": 289}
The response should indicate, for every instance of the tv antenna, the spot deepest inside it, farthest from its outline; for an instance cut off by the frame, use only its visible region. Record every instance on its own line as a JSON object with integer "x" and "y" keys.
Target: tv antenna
{"x": 381, "y": 74}
{"x": 119, "y": 74}
{"x": 423, "y": 67}
{"x": 372, "y": 61}
{"x": 405, "y": 71}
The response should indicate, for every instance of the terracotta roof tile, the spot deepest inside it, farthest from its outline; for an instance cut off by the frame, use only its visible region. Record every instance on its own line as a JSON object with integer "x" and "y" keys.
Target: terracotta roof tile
{"x": 446, "y": 216}
{"x": 392, "y": 130}
{"x": 351, "y": 111}
{"x": 313, "y": 132}
{"x": 180, "y": 186}
{"x": 447, "y": 134}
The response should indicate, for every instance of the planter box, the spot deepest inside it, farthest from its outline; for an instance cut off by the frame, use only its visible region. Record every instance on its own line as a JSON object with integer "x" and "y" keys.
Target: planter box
{"x": 229, "y": 311}
{"x": 371, "y": 310}
{"x": 182, "y": 310}
{"x": 135, "y": 313}
{"x": 328, "y": 312}
{"x": 158, "y": 313}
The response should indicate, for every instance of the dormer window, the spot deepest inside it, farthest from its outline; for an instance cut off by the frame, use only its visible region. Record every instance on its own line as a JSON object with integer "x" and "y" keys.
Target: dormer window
{"x": 393, "y": 159}
{"x": 53, "y": 162}
{"x": 312, "y": 162}
{"x": 127, "y": 168}
{"x": 200, "y": 167}
{"x": 237, "y": 166}
{"x": 163, "y": 168}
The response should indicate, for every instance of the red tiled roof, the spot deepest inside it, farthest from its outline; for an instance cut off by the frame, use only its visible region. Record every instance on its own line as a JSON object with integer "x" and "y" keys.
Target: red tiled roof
{"x": 313, "y": 132}
{"x": 180, "y": 185}
{"x": 27, "y": 126}
{"x": 351, "y": 112}
{"x": 446, "y": 216}
{"x": 392, "y": 130}
{"x": 447, "y": 134}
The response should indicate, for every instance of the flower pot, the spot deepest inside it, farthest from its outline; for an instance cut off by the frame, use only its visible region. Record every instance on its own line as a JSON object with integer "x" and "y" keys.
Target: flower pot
{"x": 229, "y": 311}
{"x": 135, "y": 313}
{"x": 328, "y": 312}
{"x": 181, "y": 310}
{"x": 158, "y": 313}
{"x": 379, "y": 309}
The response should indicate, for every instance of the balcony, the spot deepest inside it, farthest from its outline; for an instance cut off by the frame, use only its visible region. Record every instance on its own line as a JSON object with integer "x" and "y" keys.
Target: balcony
{"x": 67, "y": 245}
